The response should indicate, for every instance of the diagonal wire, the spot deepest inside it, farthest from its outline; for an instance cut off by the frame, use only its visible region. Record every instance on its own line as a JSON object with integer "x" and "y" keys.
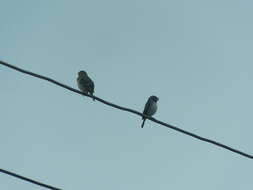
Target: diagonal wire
{"x": 29, "y": 180}
{"x": 131, "y": 111}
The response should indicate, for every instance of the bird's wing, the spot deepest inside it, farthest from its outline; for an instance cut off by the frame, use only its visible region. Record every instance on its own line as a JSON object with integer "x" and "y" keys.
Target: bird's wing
{"x": 147, "y": 107}
{"x": 90, "y": 85}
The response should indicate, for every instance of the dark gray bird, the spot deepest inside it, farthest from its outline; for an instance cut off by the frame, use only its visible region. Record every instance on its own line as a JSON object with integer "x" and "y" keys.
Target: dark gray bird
{"x": 85, "y": 84}
{"x": 150, "y": 108}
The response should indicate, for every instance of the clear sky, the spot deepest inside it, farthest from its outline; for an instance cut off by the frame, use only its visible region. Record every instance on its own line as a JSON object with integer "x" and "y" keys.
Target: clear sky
{"x": 196, "y": 56}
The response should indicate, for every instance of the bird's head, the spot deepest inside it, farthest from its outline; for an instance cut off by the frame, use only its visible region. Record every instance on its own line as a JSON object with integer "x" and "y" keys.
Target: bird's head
{"x": 82, "y": 73}
{"x": 154, "y": 98}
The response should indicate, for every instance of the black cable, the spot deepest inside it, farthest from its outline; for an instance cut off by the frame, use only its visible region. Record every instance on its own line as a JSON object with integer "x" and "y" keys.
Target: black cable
{"x": 29, "y": 180}
{"x": 131, "y": 110}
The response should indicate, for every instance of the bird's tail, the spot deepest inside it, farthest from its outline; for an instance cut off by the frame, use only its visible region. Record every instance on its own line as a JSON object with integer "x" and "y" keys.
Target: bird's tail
{"x": 142, "y": 125}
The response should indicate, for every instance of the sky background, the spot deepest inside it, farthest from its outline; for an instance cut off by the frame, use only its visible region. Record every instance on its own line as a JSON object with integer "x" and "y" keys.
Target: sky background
{"x": 196, "y": 56}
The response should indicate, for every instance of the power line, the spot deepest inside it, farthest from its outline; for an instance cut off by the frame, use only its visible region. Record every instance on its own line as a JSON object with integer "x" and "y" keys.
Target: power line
{"x": 29, "y": 180}
{"x": 131, "y": 111}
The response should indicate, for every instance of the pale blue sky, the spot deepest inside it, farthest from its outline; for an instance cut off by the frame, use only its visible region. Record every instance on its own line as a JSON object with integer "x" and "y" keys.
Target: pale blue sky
{"x": 196, "y": 56}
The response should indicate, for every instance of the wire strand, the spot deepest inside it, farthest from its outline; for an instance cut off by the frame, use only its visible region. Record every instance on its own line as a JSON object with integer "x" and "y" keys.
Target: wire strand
{"x": 29, "y": 180}
{"x": 131, "y": 111}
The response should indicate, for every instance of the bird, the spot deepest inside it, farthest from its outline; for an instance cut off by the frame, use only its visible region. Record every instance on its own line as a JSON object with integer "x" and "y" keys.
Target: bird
{"x": 150, "y": 108}
{"x": 85, "y": 84}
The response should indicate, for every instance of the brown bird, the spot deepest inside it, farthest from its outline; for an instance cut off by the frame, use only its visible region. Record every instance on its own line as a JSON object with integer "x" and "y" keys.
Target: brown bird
{"x": 85, "y": 84}
{"x": 150, "y": 108}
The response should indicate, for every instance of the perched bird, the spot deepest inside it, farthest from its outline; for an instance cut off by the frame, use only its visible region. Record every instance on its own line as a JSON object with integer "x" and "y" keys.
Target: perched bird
{"x": 85, "y": 84}
{"x": 150, "y": 108}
